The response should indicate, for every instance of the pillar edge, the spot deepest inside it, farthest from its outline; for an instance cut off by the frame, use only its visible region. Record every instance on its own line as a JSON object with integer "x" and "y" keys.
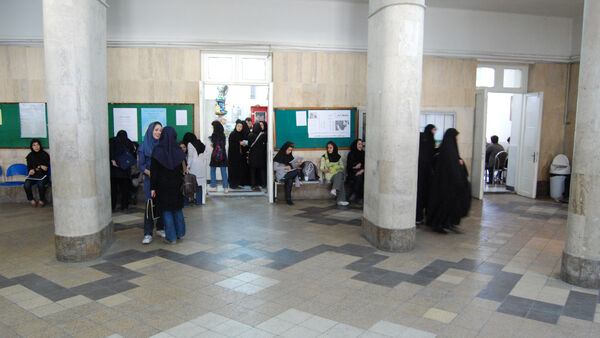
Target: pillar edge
{"x": 580, "y": 271}
{"x": 73, "y": 249}
{"x": 394, "y": 240}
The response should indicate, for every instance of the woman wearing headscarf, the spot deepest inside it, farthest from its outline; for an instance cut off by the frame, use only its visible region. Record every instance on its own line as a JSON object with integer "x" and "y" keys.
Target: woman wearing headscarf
{"x": 144, "y": 160}
{"x": 286, "y": 169}
{"x": 333, "y": 168}
{"x": 38, "y": 163}
{"x": 238, "y": 163}
{"x": 356, "y": 169}
{"x": 120, "y": 147}
{"x": 218, "y": 156}
{"x": 196, "y": 162}
{"x": 257, "y": 155}
{"x": 165, "y": 183}
{"x": 449, "y": 198}
{"x": 426, "y": 152}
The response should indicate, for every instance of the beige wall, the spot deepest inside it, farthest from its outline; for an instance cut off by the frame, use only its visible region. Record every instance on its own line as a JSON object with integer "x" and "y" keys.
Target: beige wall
{"x": 550, "y": 78}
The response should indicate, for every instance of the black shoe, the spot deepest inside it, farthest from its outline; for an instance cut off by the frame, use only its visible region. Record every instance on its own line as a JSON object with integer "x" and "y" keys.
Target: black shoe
{"x": 441, "y": 231}
{"x": 289, "y": 202}
{"x": 455, "y": 229}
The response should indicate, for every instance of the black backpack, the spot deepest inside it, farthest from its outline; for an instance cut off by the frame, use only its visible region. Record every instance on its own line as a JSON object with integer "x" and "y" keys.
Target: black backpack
{"x": 189, "y": 186}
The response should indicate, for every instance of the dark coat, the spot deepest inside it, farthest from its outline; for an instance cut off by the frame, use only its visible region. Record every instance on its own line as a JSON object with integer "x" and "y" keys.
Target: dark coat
{"x": 34, "y": 160}
{"x": 258, "y": 149}
{"x": 426, "y": 152}
{"x": 167, "y": 183}
{"x": 116, "y": 150}
{"x": 238, "y": 160}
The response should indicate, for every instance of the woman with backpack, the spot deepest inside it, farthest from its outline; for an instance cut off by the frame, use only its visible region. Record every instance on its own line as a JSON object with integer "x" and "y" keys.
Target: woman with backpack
{"x": 196, "y": 162}
{"x": 218, "y": 157}
{"x": 121, "y": 152}
{"x": 257, "y": 155}
{"x": 333, "y": 169}
{"x": 144, "y": 160}
{"x": 165, "y": 183}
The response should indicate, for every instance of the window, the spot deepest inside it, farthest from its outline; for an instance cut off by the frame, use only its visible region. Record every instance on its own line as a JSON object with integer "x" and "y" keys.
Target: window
{"x": 485, "y": 77}
{"x": 442, "y": 121}
{"x": 512, "y": 78}
{"x": 234, "y": 68}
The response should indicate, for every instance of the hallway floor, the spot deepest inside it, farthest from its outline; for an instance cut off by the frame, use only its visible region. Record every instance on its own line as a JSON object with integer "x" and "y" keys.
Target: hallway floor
{"x": 250, "y": 269}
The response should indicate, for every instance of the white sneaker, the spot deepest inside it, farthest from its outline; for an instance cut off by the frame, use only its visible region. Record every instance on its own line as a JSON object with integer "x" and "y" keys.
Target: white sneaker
{"x": 161, "y": 233}
{"x": 226, "y": 190}
{"x": 211, "y": 189}
{"x": 343, "y": 203}
{"x": 333, "y": 192}
{"x": 147, "y": 239}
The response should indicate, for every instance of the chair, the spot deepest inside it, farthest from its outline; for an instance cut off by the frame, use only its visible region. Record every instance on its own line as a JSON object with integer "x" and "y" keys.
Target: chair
{"x": 18, "y": 169}
{"x": 499, "y": 170}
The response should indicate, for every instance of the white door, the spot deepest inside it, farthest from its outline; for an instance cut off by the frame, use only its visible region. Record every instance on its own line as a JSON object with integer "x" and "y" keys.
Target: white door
{"x": 478, "y": 163}
{"x": 515, "y": 138}
{"x": 530, "y": 144}
{"x": 270, "y": 155}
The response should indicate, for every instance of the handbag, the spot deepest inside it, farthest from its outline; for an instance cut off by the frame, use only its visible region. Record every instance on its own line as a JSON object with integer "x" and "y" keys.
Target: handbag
{"x": 151, "y": 212}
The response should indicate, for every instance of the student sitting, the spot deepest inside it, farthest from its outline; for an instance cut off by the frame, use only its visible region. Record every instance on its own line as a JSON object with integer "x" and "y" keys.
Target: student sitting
{"x": 286, "y": 169}
{"x": 38, "y": 162}
{"x": 333, "y": 168}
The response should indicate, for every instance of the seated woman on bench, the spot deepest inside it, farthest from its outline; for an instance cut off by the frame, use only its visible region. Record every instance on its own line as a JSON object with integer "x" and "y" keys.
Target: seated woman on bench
{"x": 333, "y": 169}
{"x": 286, "y": 169}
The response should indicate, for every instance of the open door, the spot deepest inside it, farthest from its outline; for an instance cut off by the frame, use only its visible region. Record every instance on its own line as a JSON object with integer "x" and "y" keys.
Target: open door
{"x": 530, "y": 144}
{"x": 478, "y": 162}
{"x": 270, "y": 145}
{"x": 516, "y": 112}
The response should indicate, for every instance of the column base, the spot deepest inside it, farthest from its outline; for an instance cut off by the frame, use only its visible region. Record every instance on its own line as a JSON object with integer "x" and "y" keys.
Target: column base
{"x": 580, "y": 271}
{"x": 396, "y": 240}
{"x": 83, "y": 248}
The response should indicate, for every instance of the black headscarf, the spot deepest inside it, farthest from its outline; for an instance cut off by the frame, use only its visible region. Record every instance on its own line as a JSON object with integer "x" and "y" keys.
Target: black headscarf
{"x": 334, "y": 156}
{"x": 282, "y": 157}
{"x": 428, "y": 134}
{"x": 237, "y": 136}
{"x": 122, "y": 139}
{"x": 167, "y": 152}
{"x": 256, "y": 129}
{"x": 245, "y": 129}
{"x": 37, "y": 158}
{"x": 191, "y": 138}
{"x": 355, "y": 156}
{"x": 218, "y": 132}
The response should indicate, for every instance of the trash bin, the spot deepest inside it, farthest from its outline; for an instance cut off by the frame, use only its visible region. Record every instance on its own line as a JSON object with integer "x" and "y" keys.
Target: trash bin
{"x": 559, "y": 170}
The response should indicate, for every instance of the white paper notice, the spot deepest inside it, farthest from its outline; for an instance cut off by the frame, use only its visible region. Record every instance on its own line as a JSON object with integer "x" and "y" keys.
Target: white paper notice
{"x": 181, "y": 117}
{"x": 301, "y": 118}
{"x": 329, "y": 123}
{"x": 33, "y": 120}
{"x": 126, "y": 119}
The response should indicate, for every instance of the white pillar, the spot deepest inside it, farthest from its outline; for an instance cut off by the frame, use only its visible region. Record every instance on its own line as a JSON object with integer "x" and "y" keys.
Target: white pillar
{"x": 394, "y": 77}
{"x": 75, "y": 61}
{"x": 581, "y": 256}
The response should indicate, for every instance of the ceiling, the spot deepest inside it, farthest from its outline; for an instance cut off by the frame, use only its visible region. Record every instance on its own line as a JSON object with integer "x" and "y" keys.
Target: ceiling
{"x": 564, "y": 8}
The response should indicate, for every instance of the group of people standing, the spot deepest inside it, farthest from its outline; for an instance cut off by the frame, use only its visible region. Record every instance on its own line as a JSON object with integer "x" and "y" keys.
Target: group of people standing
{"x": 245, "y": 161}
{"x": 288, "y": 170}
{"x": 444, "y": 192}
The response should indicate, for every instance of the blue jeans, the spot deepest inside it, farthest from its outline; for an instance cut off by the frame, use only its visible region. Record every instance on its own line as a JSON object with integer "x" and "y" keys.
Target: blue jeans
{"x": 213, "y": 177}
{"x": 174, "y": 224}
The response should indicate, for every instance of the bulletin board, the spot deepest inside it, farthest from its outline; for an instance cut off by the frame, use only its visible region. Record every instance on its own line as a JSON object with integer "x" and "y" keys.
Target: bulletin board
{"x": 10, "y": 128}
{"x": 287, "y": 129}
{"x": 171, "y": 117}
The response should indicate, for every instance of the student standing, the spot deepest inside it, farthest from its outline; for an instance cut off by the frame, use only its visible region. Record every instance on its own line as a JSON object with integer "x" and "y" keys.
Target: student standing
{"x": 121, "y": 150}
{"x": 38, "y": 163}
{"x": 333, "y": 168}
{"x": 218, "y": 157}
{"x": 257, "y": 155}
{"x": 144, "y": 160}
{"x": 450, "y": 196}
{"x": 285, "y": 170}
{"x": 237, "y": 156}
{"x": 196, "y": 162}
{"x": 356, "y": 170}
{"x": 165, "y": 183}
{"x": 426, "y": 151}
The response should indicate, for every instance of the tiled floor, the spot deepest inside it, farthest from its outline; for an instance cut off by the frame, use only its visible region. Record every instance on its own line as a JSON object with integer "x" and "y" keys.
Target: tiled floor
{"x": 251, "y": 269}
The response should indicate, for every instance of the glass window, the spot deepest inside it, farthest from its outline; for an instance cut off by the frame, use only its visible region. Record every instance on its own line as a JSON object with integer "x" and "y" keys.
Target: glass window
{"x": 220, "y": 68}
{"x": 485, "y": 77}
{"x": 442, "y": 121}
{"x": 254, "y": 69}
{"x": 512, "y": 78}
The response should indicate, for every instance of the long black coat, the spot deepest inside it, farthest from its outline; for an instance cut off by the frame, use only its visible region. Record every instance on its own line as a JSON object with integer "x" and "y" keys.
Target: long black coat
{"x": 167, "y": 184}
{"x": 238, "y": 161}
{"x": 116, "y": 150}
{"x": 258, "y": 152}
{"x": 426, "y": 152}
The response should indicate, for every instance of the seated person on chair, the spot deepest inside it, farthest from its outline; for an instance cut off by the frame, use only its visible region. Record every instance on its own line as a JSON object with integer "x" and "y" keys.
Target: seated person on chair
{"x": 286, "y": 169}
{"x": 333, "y": 170}
{"x": 38, "y": 162}
{"x": 490, "y": 156}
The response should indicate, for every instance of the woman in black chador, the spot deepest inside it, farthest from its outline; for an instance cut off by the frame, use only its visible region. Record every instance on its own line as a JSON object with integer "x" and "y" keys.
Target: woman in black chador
{"x": 450, "y": 196}
{"x": 238, "y": 161}
{"x": 426, "y": 151}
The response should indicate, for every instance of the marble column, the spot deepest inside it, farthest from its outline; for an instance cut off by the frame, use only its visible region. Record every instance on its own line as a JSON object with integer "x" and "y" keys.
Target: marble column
{"x": 394, "y": 77}
{"x": 581, "y": 256}
{"x": 75, "y": 62}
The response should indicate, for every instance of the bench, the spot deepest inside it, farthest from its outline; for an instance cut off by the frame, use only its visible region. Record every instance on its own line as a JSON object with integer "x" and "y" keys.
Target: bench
{"x": 16, "y": 194}
{"x": 308, "y": 190}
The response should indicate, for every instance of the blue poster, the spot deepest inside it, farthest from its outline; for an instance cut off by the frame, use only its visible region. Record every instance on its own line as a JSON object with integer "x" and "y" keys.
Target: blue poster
{"x": 150, "y": 115}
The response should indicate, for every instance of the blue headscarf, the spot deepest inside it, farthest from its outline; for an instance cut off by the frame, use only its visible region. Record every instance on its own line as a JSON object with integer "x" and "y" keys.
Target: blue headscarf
{"x": 149, "y": 142}
{"x": 167, "y": 152}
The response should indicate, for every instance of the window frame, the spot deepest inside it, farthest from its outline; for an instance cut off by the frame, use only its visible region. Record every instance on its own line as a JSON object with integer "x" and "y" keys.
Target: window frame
{"x": 499, "y": 77}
